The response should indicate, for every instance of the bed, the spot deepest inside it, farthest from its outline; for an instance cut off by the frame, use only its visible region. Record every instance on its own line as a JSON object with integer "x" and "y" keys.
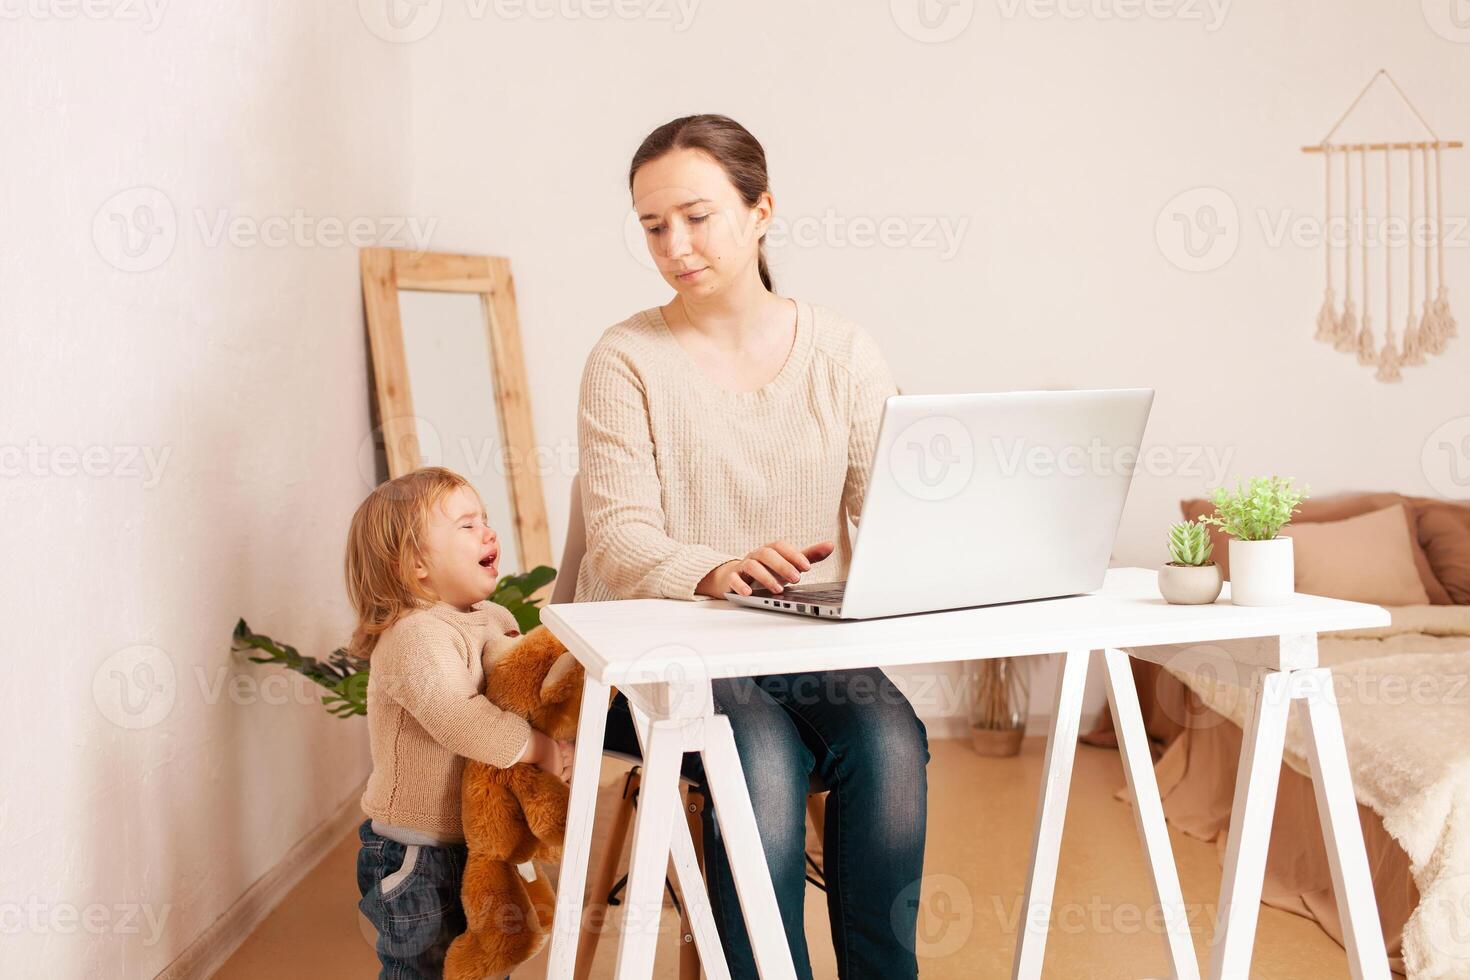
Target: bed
{"x": 1404, "y": 695}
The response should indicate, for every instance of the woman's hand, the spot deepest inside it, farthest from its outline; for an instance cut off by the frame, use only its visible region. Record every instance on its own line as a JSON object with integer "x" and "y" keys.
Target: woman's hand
{"x": 771, "y": 565}
{"x": 548, "y": 754}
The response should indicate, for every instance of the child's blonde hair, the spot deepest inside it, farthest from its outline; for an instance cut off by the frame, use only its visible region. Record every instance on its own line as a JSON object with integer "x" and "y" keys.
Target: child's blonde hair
{"x": 384, "y": 542}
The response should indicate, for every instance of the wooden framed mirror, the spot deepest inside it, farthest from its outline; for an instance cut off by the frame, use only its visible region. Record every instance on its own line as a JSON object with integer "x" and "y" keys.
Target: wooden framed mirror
{"x": 450, "y": 382}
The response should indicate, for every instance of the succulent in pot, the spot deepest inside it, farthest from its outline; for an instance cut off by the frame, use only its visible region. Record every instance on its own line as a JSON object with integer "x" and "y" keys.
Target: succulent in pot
{"x": 1190, "y": 578}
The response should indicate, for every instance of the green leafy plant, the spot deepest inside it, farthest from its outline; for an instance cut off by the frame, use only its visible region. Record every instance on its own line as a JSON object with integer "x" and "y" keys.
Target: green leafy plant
{"x": 1189, "y": 544}
{"x": 345, "y": 678}
{"x": 1257, "y": 512}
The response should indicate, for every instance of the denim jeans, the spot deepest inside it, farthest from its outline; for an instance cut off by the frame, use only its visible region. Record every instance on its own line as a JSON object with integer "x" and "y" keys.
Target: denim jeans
{"x": 860, "y": 735}
{"x": 410, "y": 893}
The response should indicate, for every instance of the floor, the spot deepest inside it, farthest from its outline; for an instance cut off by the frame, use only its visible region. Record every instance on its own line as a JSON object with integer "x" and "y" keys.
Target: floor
{"x": 980, "y": 813}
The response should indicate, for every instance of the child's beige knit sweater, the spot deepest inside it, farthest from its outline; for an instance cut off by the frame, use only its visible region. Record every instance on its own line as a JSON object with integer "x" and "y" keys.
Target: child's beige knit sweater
{"x": 680, "y": 475}
{"x": 426, "y": 715}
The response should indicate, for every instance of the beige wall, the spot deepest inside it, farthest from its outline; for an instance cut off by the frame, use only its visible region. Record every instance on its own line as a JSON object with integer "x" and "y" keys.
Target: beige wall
{"x": 1050, "y": 148}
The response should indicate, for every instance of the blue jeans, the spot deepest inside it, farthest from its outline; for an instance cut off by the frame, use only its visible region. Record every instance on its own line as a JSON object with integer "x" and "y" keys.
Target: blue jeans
{"x": 860, "y": 735}
{"x": 410, "y": 893}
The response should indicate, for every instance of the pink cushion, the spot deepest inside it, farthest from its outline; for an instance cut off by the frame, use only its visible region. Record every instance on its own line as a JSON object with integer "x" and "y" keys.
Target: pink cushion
{"x": 1367, "y": 558}
{"x": 1444, "y": 531}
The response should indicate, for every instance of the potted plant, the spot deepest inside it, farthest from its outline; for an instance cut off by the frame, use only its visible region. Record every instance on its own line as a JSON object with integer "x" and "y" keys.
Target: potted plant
{"x": 346, "y": 679}
{"x": 998, "y": 705}
{"x": 1190, "y": 578}
{"x": 1262, "y": 569}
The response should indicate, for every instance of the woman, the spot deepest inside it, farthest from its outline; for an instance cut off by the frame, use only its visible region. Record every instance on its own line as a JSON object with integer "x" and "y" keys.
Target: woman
{"x": 731, "y": 416}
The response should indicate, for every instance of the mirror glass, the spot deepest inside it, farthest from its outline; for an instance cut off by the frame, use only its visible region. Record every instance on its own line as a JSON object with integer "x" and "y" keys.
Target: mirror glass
{"x": 446, "y": 345}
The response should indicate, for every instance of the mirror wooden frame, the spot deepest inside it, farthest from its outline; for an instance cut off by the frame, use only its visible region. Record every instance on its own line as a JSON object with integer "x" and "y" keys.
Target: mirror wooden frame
{"x": 386, "y": 272}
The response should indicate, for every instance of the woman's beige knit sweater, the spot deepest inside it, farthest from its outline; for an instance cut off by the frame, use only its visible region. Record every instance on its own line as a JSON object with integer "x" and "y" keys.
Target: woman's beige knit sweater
{"x": 680, "y": 475}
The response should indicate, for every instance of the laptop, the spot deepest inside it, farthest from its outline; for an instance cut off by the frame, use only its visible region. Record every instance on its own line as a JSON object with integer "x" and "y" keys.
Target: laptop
{"x": 980, "y": 499}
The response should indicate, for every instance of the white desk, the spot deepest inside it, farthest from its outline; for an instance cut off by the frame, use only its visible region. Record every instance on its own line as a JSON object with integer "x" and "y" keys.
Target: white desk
{"x": 663, "y": 654}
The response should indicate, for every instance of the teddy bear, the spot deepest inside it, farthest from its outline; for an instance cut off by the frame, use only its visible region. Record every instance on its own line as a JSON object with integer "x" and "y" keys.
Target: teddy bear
{"x": 516, "y": 815}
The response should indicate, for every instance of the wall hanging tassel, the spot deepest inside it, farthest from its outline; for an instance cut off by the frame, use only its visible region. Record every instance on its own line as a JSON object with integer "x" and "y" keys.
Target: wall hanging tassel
{"x": 1388, "y": 357}
{"x": 1345, "y": 333}
{"x": 1366, "y": 348}
{"x": 1427, "y": 322}
{"x": 1327, "y": 319}
{"x": 1413, "y": 352}
{"x": 1444, "y": 320}
{"x": 1347, "y": 337}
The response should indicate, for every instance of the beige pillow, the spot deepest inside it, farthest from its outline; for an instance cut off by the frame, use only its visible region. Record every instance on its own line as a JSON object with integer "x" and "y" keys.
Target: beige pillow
{"x": 1368, "y": 558}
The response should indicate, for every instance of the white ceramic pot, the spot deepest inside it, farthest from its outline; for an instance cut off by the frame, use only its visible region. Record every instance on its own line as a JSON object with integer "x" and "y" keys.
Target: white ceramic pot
{"x": 1190, "y": 585}
{"x": 1262, "y": 573}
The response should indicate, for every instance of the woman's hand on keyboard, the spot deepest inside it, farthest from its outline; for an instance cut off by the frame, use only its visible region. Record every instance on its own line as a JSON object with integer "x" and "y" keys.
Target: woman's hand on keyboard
{"x": 771, "y": 565}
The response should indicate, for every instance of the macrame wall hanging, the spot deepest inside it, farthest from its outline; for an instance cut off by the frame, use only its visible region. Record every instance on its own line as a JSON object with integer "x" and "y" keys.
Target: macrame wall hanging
{"x": 1423, "y": 324}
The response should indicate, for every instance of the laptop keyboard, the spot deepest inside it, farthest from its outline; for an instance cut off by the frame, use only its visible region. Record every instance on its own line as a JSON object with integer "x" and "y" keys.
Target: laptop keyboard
{"x": 827, "y": 593}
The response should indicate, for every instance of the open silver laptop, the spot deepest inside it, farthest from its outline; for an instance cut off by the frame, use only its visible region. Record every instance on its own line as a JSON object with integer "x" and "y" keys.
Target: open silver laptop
{"x": 984, "y": 498}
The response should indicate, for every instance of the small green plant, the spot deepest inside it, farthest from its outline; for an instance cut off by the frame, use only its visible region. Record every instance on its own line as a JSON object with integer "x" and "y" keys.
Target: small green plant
{"x": 1257, "y": 512}
{"x": 346, "y": 678}
{"x": 1189, "y": 544}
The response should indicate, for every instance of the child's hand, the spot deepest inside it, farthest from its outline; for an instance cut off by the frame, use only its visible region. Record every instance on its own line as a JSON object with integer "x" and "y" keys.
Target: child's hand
{"x": 548, "y": 754}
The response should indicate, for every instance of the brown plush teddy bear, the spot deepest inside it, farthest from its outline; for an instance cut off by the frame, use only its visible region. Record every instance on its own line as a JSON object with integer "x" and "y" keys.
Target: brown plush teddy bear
{"x": 516, "y": 815}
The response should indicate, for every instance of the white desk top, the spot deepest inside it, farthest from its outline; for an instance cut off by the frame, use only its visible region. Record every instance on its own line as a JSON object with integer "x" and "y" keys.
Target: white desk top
{"x": 650, "y": 640}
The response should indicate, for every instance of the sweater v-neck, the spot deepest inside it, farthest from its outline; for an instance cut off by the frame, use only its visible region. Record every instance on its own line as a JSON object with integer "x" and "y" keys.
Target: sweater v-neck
{"x": 791, "y": 369}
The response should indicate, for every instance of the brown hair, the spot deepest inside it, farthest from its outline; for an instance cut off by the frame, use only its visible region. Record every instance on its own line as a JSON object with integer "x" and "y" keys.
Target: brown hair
{"x": 384, "y": 542}
{"x": 726, "y": 142}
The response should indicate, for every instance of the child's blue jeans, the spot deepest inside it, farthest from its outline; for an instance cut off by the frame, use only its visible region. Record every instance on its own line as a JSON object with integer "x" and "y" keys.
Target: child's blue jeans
{"x": 410, "y": 893}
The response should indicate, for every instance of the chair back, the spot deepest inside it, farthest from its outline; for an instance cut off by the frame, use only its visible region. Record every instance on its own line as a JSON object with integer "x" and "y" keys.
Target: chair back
{"x": 576, "y": 546}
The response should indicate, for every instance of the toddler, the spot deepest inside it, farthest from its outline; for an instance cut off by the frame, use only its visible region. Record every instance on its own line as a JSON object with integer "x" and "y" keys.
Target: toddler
{"x": 421, "y": 560}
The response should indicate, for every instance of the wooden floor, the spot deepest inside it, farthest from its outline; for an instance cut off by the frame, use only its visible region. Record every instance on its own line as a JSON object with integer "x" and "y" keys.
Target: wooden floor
{"x": 1104, "y": 922}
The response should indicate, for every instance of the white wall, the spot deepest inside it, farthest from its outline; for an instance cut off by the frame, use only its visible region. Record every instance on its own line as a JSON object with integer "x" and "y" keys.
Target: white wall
{"x": 1055, "y": 143}
{"x": 241, "y": 369}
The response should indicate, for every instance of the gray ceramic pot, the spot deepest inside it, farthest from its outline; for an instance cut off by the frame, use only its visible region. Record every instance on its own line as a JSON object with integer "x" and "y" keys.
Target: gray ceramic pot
{"x": 1190, "y": 585}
